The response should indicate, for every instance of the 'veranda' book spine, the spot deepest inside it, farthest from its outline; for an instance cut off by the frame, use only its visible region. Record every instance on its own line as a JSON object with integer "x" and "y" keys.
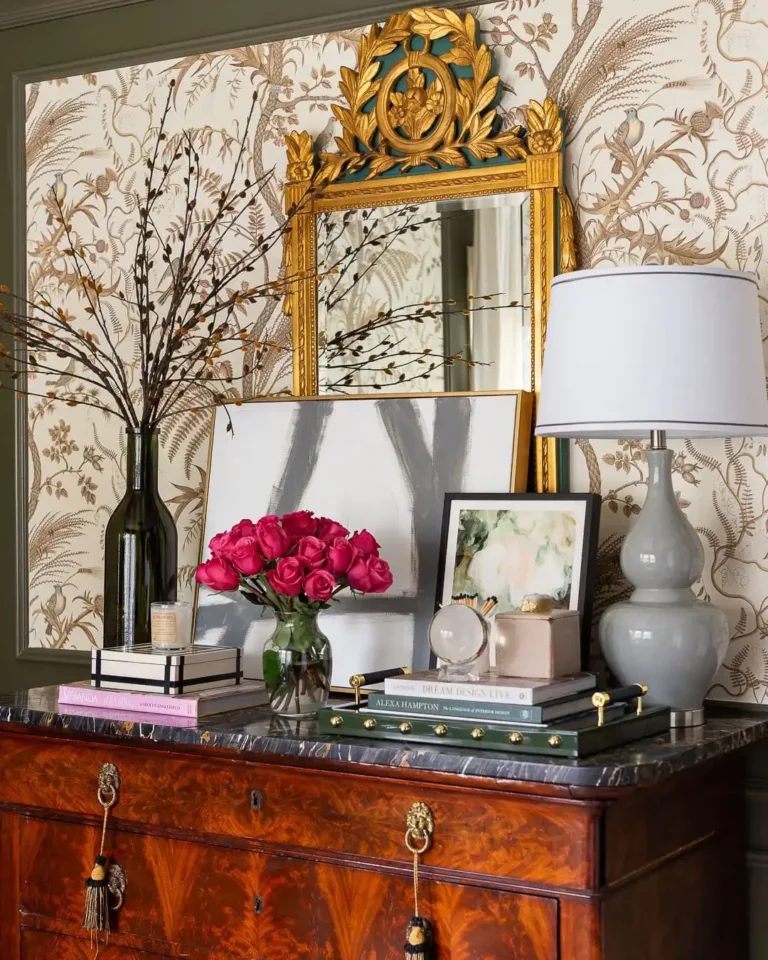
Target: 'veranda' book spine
{"x": 461, "y": 709}
{"x": 132, "y": 702}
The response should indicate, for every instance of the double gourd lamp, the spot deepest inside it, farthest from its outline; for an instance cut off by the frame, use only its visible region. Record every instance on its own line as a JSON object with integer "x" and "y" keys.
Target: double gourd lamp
{"x": 656, "y": 352}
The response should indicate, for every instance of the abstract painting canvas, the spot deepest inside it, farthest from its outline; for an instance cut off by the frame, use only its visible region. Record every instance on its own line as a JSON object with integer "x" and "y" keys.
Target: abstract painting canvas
{"x": 377, "y": 463}
{"x": 513, "y": 546}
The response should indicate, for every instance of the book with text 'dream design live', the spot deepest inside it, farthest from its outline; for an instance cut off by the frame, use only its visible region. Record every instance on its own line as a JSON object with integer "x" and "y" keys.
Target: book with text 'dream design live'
{"x": 490, "y": 688}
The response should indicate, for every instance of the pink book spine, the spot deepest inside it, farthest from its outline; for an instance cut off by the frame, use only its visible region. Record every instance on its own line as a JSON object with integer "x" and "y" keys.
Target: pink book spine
{"x": 133, "y": 702}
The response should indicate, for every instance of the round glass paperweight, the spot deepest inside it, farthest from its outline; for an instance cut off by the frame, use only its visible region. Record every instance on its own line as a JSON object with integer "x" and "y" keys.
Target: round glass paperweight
{"x": 458, "y": 636}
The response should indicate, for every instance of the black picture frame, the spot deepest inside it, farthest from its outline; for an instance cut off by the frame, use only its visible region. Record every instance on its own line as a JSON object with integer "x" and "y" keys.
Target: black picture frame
{"x": 588, "y": 573}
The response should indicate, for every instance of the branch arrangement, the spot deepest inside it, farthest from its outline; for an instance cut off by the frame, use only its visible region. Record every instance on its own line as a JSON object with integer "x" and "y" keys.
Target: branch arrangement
{"x": 185, "y": 335}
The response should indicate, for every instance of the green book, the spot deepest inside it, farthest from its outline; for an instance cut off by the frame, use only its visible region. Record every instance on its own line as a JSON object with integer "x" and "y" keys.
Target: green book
{"x": 475, "y": 710}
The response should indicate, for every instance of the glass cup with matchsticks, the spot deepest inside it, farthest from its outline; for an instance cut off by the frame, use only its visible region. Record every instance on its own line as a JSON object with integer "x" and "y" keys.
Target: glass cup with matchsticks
{"x": 458, "y": 635}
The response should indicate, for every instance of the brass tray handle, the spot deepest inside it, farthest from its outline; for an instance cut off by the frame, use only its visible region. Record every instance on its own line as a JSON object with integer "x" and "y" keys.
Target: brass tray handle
{"x": 359, "y": 680}
{"x": 601, "y": 699}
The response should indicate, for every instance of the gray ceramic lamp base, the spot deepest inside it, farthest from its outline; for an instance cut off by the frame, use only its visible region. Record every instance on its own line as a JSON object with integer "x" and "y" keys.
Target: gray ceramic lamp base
{"x": 664, "y": 637}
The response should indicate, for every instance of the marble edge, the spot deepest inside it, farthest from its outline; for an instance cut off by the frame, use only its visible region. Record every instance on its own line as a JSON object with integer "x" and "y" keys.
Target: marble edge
{"x": 621, "y": 767}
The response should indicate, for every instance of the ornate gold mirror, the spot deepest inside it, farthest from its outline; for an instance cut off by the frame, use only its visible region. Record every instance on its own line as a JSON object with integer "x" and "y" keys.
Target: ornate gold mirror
{"x": 423, "y": 248}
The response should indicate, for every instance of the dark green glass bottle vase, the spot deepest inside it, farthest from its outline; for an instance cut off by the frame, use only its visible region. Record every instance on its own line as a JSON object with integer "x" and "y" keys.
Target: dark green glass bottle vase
{"x": 140, "y": 549}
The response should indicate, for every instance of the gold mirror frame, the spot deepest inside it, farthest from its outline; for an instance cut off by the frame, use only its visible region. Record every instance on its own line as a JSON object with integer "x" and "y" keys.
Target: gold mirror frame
{"x": 447, "y": 122}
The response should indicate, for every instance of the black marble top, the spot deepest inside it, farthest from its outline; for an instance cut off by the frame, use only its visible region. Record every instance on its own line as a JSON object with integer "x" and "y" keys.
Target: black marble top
{"x": 257, "y": 732}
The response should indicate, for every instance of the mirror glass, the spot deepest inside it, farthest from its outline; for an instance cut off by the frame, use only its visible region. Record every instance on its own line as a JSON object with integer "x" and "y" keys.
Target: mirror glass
{"x": 425, "y": 298}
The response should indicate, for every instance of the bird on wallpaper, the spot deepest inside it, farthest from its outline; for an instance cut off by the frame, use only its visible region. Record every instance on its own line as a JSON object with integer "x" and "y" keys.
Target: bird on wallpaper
{"x": 53, "y": 607}
{"x": 60, "y": 188}
{"x": 323, "y": 139}
{"x": 628, "y": 134}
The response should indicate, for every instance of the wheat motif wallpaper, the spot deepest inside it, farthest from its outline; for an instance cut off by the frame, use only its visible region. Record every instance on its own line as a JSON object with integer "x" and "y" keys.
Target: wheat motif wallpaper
{"x": 666, "y": 161}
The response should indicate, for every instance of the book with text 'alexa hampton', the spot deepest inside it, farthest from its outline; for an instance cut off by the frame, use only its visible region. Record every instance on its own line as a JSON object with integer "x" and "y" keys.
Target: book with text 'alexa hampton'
{"x": 206, "y": 703}
{"x": 489, "y": 711}
{"x": 491, "y": 688}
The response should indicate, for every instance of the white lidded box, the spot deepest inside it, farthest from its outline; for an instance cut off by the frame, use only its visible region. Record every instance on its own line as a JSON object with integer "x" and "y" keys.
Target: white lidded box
{"x": 148, "y": 670}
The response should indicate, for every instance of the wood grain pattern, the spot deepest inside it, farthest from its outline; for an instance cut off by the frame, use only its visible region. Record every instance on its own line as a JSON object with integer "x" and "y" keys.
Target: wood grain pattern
{"x": 9, "y": 885}
{"x": 580, "y": 930}
{"x": 39, "y": 945}
{"x": 178, "y": 892}
{"x": 530, "y": 839}
{"x": 627, "y": 875}
{"x": 318, "y": 911}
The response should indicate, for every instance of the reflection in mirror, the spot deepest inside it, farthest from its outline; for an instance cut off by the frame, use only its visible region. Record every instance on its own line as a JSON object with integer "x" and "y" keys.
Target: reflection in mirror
{"x": 425, "y": 298}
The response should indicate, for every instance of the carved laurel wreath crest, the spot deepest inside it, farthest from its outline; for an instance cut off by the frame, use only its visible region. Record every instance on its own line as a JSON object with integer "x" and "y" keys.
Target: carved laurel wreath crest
{"x": 438, "y": 118}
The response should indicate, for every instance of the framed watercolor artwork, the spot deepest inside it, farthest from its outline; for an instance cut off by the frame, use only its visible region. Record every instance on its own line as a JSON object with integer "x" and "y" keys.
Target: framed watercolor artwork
{"x": 509, "y": 546}
{"x": 378, "y": 463}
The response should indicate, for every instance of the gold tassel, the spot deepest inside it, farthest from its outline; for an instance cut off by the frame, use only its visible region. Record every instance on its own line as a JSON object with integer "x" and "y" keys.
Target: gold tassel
{"x": 419, "y": 939}
{"x": 96, "y": 915}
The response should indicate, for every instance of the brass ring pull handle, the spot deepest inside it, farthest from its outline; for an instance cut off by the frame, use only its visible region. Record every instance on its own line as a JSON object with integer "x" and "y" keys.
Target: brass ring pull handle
{"x": 109, "y": 785}
{"x": 412, "y": 842}
{"x": 419, "y": 827}
{"x": 116, "y": 885}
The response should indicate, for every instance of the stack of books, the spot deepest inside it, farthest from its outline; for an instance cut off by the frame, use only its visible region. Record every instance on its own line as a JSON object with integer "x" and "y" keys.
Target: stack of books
{"x": 566, "y": 701}
{"x": 172, "y": 688}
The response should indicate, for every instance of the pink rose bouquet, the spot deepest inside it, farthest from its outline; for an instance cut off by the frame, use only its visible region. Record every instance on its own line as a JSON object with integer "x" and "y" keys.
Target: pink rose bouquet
{"x": 295, "y": 565}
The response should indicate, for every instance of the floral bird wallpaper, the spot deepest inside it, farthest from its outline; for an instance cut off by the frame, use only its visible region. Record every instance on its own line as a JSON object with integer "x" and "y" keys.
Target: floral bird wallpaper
{"x": 667, "y": 162}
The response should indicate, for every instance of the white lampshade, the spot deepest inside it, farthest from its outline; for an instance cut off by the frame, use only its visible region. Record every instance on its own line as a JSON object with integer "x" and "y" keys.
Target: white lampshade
{"x": 635, "y": 349}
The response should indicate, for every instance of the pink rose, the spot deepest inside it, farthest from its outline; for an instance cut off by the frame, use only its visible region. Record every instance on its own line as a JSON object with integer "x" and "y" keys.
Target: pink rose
{"x": 246, "y": 528}
{"x": 358, "y": 577}
{"x": 380, "y": 575}
{"x": 341, "y": 553}
{"x": 300, "y": 524}
{"x": 220, "y": 545}
{"x": 273, "y": 540}
{"x": 218, "y": 574}
{"x": 246, "y": 556}
{"x": 287, "y": 578}
{"x": 366, "y": 543}
{"x": 370, "y": 575}
{"x": 328, "y": 530}
{"x": 319, "y": 585}
{"x": 311, "y": 552}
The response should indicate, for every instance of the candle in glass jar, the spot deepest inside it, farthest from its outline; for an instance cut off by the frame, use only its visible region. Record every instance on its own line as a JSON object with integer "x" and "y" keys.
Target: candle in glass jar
{"x": 171, "y": 625}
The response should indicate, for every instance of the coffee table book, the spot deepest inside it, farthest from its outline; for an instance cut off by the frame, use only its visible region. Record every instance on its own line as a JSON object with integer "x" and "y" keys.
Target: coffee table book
{"x": 146, "y": 669}
{"x": 480, "y": 710}
{"x": 490, "y": 688}
{"x": 206, "y": 703}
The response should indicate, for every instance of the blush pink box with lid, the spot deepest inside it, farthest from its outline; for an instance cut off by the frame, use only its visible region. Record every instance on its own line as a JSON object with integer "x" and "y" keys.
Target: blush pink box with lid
{"x": 546, "y": 645}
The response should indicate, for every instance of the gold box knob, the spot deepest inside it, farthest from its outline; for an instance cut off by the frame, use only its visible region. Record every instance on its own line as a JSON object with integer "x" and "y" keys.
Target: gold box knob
{"x": 369, "y": 724}
{"x": 478, "y": 733}
{"x": 336, "y": 721}
{"x": 515, "y": 738}
{"x": 554, "y": 740}
{"x": 441, "y": 730}
{"x": 405, "y": 727}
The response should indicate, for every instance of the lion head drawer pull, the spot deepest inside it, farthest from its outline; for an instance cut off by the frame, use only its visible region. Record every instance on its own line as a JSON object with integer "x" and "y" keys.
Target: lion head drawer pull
{"x": 419, "y": 827}
{"x": 104, "y": 882}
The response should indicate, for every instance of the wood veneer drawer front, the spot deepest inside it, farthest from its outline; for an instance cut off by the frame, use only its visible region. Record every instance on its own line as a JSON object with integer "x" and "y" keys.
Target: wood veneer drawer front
{"x": 488, "y": 832}
{"x": 40, "y": 945}
{"x": 315, "y": 910}
{"x": 177, "y": 892}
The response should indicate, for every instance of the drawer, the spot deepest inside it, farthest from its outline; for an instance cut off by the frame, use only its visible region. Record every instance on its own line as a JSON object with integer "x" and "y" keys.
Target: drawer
{"x": 533, "y": 839}
{"x": 197, "y": 901}
{"x": 176, "y": 892}
{"x": 315, "y": 910}
{"x": 39, "y": 945}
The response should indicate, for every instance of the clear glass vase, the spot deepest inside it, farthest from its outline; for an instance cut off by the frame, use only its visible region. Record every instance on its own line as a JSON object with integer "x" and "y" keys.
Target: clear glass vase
{"x": 297, "y": 665}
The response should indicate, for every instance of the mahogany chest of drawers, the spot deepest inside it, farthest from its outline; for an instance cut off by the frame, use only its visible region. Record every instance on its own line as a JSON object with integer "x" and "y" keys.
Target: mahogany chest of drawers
{"x": 278, "y": 846}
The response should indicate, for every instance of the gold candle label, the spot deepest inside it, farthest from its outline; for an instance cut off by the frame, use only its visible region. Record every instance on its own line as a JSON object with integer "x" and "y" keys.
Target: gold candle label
{"x": 164, "y": 627}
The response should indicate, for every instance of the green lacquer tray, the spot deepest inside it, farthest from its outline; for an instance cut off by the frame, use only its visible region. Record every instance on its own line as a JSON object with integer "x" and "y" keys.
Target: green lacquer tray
{"x": 348, "y": 720}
